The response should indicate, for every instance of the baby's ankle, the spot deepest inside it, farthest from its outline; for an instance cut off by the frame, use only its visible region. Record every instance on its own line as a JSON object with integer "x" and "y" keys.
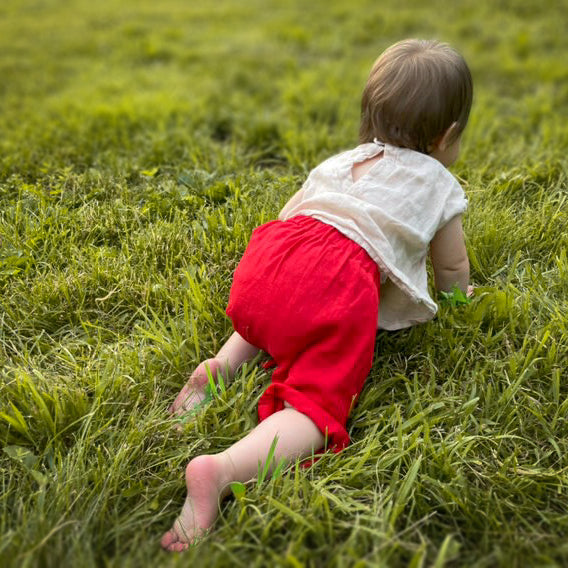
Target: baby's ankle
{"x": 226, "y": 472}
{"x": 224, "y": 367}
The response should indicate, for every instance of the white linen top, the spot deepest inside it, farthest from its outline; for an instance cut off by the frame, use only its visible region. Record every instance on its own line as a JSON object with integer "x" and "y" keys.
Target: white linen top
{"x": 393, "y": 211}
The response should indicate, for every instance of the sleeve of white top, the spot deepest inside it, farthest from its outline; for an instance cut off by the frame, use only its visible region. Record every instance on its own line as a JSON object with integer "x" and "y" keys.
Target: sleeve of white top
{"x": 455, "y": 202}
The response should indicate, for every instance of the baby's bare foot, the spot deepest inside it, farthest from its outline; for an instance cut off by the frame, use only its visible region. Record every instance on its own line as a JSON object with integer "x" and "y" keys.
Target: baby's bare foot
{"x": 193, "y": 393}
{"x": 206, "y": 478}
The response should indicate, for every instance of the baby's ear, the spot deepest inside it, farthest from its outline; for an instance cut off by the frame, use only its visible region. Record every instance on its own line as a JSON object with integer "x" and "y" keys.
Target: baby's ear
{"x": 448, "y": 136}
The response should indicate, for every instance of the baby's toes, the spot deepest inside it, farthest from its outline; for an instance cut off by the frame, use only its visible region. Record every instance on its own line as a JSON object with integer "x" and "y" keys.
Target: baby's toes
{"x": 177, "y": 405}
{"x": 178, "y": 547}
{"x": 169, "y": 539}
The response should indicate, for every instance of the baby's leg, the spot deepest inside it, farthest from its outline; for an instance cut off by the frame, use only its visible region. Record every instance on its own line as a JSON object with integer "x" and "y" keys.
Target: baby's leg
{"x": 208, "y": 477}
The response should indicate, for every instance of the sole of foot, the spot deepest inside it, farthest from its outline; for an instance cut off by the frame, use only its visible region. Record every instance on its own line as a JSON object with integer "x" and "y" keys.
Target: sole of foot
{"x": 204, "y": 478}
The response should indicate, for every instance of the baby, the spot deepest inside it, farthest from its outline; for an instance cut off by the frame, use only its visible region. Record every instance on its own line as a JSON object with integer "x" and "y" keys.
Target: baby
{"x": 308, "y": 288}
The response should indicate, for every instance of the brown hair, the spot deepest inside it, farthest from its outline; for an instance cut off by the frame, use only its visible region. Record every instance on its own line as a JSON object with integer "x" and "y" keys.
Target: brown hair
{"x": 416, "y": 90}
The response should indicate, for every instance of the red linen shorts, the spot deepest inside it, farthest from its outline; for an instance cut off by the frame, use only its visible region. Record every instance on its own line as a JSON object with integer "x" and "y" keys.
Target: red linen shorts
{"x": 309, "y": 297}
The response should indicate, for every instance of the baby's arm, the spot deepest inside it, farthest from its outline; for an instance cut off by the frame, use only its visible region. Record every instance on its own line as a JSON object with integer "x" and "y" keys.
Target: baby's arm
{"x": 449, "y": 257}
{"x": 292, "y": 202}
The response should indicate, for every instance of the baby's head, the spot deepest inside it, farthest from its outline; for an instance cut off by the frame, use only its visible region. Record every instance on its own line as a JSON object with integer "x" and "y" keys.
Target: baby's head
{"x": 417, "y": 91}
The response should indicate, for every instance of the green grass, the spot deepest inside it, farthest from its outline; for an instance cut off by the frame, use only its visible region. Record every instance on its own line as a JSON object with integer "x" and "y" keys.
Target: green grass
{"x": 141, "y": 142}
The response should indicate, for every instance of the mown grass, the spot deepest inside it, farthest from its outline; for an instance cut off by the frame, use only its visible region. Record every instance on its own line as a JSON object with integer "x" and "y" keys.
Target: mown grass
{"x": 141, "y": 144}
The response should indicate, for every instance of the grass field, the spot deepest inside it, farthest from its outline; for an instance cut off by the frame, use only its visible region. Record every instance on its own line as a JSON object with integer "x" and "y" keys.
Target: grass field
{"x": 141, "y": 142}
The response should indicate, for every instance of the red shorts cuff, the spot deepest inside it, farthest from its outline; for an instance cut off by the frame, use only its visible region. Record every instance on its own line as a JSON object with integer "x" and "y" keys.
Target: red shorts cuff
{"x": 273, "y": 400}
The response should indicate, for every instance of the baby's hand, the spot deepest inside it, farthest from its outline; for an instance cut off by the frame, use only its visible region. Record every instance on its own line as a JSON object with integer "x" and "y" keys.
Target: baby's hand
{"x": 456, "y": 297}
{"x": 193, "y": 392}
